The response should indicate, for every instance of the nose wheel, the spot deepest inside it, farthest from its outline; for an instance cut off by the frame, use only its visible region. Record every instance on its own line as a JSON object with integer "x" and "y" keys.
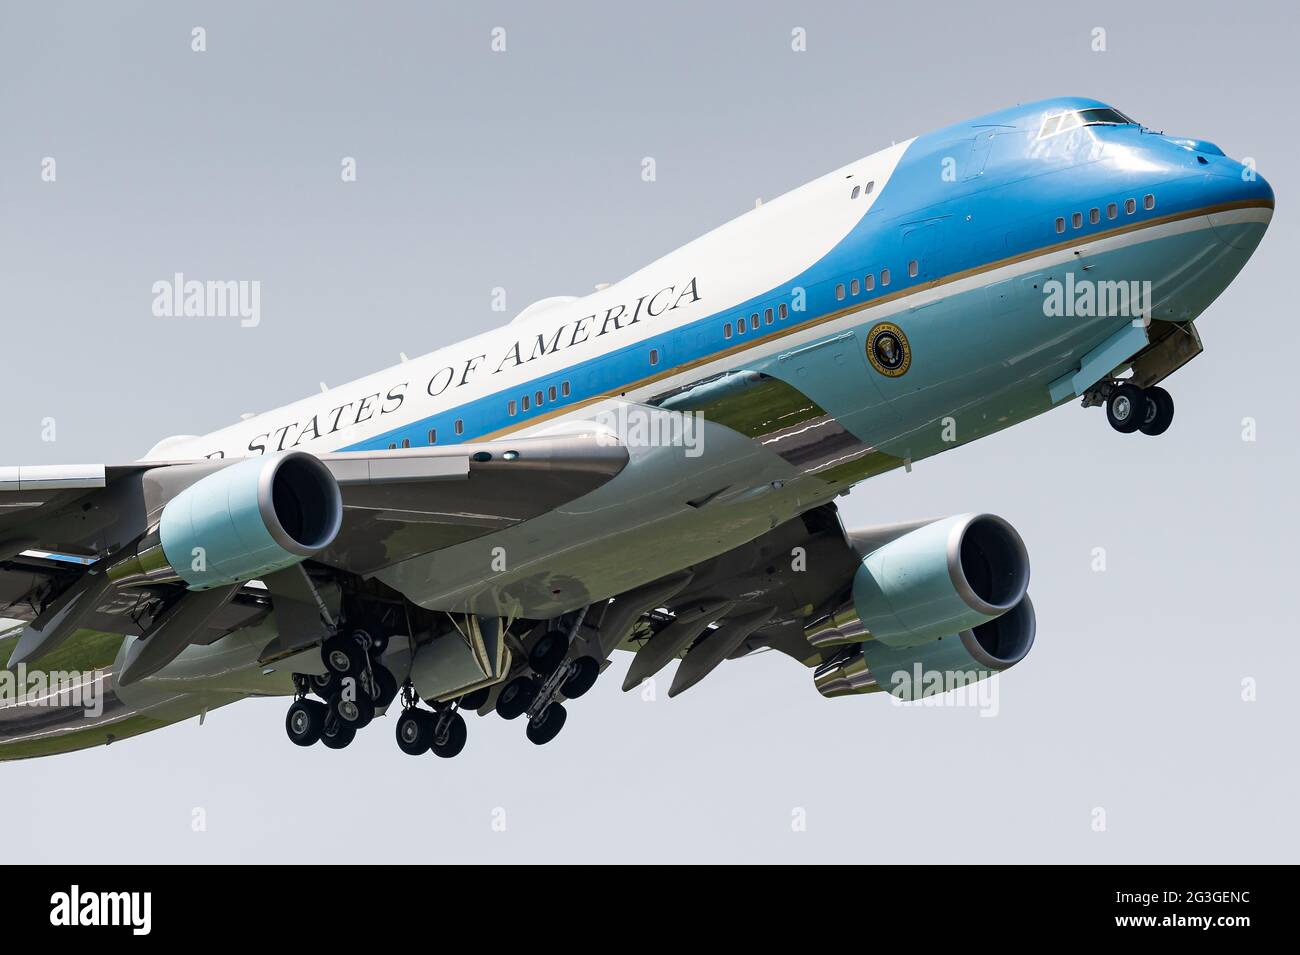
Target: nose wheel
{"x": 1130, "y": 409}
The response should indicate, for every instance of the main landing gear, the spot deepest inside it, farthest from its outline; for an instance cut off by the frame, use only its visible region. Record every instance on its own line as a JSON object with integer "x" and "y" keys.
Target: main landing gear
{"x": 1130, "y": 408}
{"x": 554, "y": 675}
{"x": 352, "y": 688}
{"x": 442, "y": 732}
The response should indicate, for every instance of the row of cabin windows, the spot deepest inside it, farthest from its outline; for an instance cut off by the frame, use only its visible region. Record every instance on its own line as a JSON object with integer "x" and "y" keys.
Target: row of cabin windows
{"x": 769, "y": 317}
{"x": 458, "y": 427}
{"x": 1112, "y": 212}
{"x": 538, "y": 398}
{"x": 868, "y": 284}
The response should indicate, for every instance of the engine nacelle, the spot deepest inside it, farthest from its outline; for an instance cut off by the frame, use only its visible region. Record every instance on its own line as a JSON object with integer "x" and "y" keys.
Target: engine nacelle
{"x": 945, "y": 577}
{"x": 250, "y": 518}
{"x": 947, "y": 663}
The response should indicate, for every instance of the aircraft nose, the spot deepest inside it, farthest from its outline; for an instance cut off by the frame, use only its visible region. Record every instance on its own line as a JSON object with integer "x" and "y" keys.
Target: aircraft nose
{"x": 1244, "y": 201}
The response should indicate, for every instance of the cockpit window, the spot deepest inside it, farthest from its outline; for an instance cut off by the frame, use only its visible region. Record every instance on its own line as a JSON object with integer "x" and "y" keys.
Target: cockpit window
{"x": 1099, "y": 116}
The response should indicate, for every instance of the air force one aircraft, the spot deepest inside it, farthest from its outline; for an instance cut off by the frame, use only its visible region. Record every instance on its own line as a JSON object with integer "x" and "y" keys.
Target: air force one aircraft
{"x": 650, "y": 468}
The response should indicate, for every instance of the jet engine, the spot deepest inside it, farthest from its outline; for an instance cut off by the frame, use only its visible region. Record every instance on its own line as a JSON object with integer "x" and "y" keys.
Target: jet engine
{"x": 947, "y": 663}
{"x": 930, "y": 606}
{"x": 938, "y": 579}
{"x": 250, "y": 518}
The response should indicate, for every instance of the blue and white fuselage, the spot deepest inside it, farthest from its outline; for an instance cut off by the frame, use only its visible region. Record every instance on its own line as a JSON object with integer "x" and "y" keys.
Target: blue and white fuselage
{"x": 902, "y": 297}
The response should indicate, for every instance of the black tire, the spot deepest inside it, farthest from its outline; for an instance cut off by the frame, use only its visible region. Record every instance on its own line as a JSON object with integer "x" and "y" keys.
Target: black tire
{"x": 370, "y": 633}
{"x": 384, "y": 689}
{"x": 342, "y": 655}
{"x": 517, "y": 696}
{"x": 335, "y": 735}
{"x": 582, "y": 678}
{"x": 352, "y": 709}
{"x": 1159, "y": 412}
{"x": 454, "y": 737}
{"x": 324, "y": 684}
{"x": 414, "y": 731}
{"x": 475, "y": 699}
{"x": 548, "y": 725}
{"x": 548, "y": 652}
{"x": 305, "y": 721}
{"x": 1125, "y": 408}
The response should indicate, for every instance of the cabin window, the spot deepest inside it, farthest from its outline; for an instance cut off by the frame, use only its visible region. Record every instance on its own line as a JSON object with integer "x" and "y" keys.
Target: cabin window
{"x": 884, "y": 277}
{"x": 1130, "y": 206}
{"x": 654, "y": 356}
{"x": 854, "y": 193}
{"x": 1148, "y": 201}
{"x": 1094, "y": 216}
{"x": 512, "y": 407}
{"x": 392, "y": 447}
{"x": 550, "y": 393}
{"x": 1060, "y": 223}
{"x": 1076, "y": 220}
{"x": 767, "y": 316}
{"x": 564, "y": 389}
{"x": 524, "y": 401}
{"x": 913, "y": 268}
{"x": 783, "y": 311}
{"x": 726, "y": 330}
{"x": 1112, "y": 210}
{"x": 869, "y": 282}
{"x": 839, "y": 292}
{"x": 740, "y": 326}
{"x": 869, "y": 187}
{"x": 433, "y": 435}
{"x": 854, "y": 287}
{"x": 538, "y": 399}
{"x": 460, "y": 426}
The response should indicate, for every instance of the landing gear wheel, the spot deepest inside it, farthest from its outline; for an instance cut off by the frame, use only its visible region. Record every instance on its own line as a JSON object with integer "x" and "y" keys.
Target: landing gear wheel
{"x": 453, "y": 738}
{"x": 414, "y": 731}
{"x": 475, "y": 699}
{"x": 335, "y": 735}
{"x": 352, "y": 709}
{"x": 383, "y": 690}
{"x": 518, "y": 694}
{"x": 548, "y": 652}
{"x": 324, "y": 684}
{"x": 305, "y": 721}
{"x": 371, "y": 634}
{"x": 582, "y": 678}
{"x": 342, "y": 655}
{"x": 547, "y": 725}
{"x": 1125, "y": 408}
{"x": 1159, "y": 412}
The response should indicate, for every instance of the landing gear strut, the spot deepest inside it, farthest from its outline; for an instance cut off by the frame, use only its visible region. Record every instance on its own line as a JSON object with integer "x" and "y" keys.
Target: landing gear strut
{"x": 554, "y": 675}
{"x": 353, "y": 686}
{"x": 442, "y": 732}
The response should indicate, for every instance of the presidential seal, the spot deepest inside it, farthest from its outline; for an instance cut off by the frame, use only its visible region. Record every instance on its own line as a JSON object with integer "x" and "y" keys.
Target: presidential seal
{"x": 887, "y": 350}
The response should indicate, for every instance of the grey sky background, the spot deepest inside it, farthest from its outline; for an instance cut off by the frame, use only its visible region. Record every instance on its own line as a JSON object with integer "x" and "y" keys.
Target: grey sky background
{"x": 522, "y": 170}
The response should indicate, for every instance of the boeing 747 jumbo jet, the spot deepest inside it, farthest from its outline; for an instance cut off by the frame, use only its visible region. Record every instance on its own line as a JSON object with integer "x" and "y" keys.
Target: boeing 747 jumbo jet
{"x": 649, "y": 468}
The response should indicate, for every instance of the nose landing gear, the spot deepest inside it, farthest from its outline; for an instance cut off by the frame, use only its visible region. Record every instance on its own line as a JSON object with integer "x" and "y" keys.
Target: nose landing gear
{"x": 1130, "y": 408}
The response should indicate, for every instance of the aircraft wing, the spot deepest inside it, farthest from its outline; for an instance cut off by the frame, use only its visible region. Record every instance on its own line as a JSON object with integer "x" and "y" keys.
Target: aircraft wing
{"x": 57, "y": 520}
